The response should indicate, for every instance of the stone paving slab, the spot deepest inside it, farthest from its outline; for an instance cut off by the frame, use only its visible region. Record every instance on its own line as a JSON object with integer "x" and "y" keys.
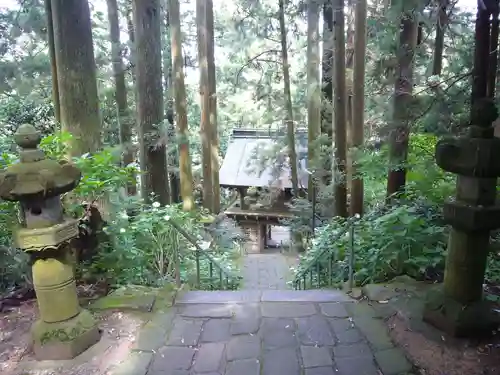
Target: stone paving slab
{"x": 316, "y": 295}
{"x": 219, "y": 296}
{"x": 271, "y": 338}
{"x": 265, "y": 271}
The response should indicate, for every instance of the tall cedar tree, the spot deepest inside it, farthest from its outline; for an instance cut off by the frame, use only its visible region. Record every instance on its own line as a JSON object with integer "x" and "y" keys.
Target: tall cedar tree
{"x": 327, "y": 85}
{"x": 76, "y": 74}
{"x": 120, "y": 89}
{"x": 153, "y": 158}
{"x": 313, "y": 88}
{"x": 173, "y": 156}
{"x": 340, "y": 111}
{"x": 212, "y": 86}
{"x": 205, "y": 130}
{"x": 53, "y": 64}
{"x": 403, "y": 97}
{"x": 186, "y": 177}
{"x": 358, "y": 102}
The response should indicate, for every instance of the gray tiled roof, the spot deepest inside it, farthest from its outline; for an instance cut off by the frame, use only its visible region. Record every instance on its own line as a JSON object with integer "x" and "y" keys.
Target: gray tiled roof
{"x": 240, "y": 167}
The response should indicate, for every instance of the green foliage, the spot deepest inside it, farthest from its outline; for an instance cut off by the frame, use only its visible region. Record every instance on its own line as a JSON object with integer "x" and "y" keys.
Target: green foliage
{"x": 147, "y": 249}
{"x": 404, "y": 239}
{"x": 102, "y": 173}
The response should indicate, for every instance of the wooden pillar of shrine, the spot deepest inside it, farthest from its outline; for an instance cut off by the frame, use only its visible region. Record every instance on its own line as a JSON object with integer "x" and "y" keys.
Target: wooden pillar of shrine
{"x": 263, "y": 236}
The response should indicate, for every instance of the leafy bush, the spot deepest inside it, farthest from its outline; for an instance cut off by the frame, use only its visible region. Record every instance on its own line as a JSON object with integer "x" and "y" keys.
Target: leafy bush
{"x": 401, "y": 240}
{"x": 148, "y": 250}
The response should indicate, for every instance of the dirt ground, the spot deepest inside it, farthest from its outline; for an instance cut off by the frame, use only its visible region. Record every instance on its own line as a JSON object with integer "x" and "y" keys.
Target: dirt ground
{"x": 446, "y": 356}
{"x": 16, "y": 358}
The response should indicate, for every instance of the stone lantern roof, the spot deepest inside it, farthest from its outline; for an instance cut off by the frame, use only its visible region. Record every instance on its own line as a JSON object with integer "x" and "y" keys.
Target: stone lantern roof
{"x": 34, "y": 176}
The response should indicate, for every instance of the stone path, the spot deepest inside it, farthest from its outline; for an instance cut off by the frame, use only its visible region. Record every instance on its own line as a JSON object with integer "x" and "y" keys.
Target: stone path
{"x": 266, "y": 333}
{"x": 265, "y": 271}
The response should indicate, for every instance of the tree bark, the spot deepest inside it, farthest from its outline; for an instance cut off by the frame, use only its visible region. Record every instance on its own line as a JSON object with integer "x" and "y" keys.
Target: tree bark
{"x": 186, "y": 177}
{"x": 313, "y": 89}
{"x": 340, "y": 108}
{"x": 76, "y": 75}
{"x": 131, "y": 39}
{"x": 442, "y": 20}
{"x": 212, "y": 85}
{"x": 358, "y": 100}
{"x": 53, "y": 63}
{"x": 120, "y": 90}
{"x": 292, "y": 153}
{"x": 403, "y": 98}
{"x": 205, "y": 130}
{"x": 327, "y": 86}
{"x": 173, "y": 156}
{"x": 150, "y": 99}
{"x": 288, "y": 102}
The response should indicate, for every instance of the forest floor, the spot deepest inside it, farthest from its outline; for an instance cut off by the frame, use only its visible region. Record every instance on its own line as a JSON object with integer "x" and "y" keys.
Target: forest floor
{"x": 119, "y": 332}
{"x": 400, "y": 304}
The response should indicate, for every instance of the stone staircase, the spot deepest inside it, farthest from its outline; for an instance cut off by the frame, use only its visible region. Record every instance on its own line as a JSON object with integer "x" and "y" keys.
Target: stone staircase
{"x": 269, "y": 332}
{"x": 257, "y": 296}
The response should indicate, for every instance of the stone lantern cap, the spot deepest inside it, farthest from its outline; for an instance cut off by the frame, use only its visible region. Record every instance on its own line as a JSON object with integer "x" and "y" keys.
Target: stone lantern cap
{"x": 34, "y": 177}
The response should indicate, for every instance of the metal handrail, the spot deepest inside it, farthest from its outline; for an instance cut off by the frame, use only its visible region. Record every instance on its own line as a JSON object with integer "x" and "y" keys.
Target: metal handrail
{"x": 223, "y": 274}
{"x": 314, "y": 263}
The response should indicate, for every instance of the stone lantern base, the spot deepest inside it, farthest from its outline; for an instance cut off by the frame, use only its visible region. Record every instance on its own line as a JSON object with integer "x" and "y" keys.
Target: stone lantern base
{"x": 459, "y": 320}
{"x": 64, "y": 340}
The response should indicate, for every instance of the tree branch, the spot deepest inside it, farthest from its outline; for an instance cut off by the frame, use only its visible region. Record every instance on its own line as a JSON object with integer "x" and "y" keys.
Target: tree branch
{"x": 252, "y": 60}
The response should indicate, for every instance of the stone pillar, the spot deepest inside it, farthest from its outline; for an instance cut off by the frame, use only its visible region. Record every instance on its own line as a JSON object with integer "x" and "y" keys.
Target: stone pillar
{"x": 64, "y": 329}
{"x": 457, "y": 307}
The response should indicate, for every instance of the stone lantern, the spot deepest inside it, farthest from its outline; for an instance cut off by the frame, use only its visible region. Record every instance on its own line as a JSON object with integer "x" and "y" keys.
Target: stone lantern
{"x": 458, "y": 307}
{"x": 64, "y": 329}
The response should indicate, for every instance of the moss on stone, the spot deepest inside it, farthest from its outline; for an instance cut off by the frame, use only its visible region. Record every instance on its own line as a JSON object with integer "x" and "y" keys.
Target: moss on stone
{"x": 137, "y": 298}
{"x": 64, "y": 340}
{"x": 65, "y": 331}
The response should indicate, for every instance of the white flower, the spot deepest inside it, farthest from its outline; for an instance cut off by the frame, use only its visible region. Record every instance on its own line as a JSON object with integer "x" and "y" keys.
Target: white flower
{"x": 166, "y": 218}
{"x": 205, "y": 245}
{"x": 122, "y": 230}
{"x": 124, "y": 215}
{"x": 156, "y": 204}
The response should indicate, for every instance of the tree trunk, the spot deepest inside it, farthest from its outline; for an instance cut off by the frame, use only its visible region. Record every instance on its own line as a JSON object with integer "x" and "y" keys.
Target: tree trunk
{"x": 349, "y": 42}
{"x": 288, "y": 102}
{"x": 53, "y": 63}
{"x": 313, "y": 89}
{"x": 150, "y": 100}
{"x": 205, "y": 130}
{"x": 131, "y": 39}
{"x": 120, "y": 89}
{"x": 442, "y": 19}
{"x": 76, "y": 75}
{"x": 186, "y": 177}
{"x": 358, "y": 100}
{"x": 340, "y": 107}
{"x": 399, "y": 135}
{"x": 292, "y": 153}
{"x": 327, "y": 86}
{"x": 212, "y": 85}
{"x": 173, "y": 156}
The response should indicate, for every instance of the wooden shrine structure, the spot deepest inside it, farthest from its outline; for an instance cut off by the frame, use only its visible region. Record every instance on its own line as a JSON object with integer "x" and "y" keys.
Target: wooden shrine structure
{"x": 256, "y": 165}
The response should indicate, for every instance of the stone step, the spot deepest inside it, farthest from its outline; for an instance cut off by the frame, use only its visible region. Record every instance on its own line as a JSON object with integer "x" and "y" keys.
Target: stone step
{"x": 253, "y": 296}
